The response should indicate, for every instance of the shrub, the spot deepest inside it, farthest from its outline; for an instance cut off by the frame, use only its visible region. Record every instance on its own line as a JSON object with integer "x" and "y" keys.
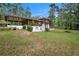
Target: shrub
{"x": 67, "y": 31}
{"x": 24, "y": 26}
{"x": 4, "y": 28}
{"x": 29, "y": 28}
{"x": 10, "y": 28}
{"x": 46, "y": 29}
{"x": 14, "y": 28}
{"x": 1, "y": 28}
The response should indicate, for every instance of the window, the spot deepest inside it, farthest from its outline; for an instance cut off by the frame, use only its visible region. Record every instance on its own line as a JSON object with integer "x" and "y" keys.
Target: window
{"x": 36, "y": 27}
{"x": 40, "y": 28}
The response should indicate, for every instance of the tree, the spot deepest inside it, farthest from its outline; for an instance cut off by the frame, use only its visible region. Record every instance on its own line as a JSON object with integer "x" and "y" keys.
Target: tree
{"x": 27, "y": 12}
{"x": 4, "y": 7}
{"x": 71, "y": 14}
{"x": 15, "y": 9}
{"x": 53, "y": 9}
{"x": 68, "y": 16}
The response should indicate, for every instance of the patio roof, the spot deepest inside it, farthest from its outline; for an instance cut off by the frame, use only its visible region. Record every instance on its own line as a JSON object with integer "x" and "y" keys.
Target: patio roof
{"x": 11, "y": 15}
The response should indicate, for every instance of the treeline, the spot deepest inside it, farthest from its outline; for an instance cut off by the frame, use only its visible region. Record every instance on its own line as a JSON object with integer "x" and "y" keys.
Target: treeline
{"x": 14, "y": 9}
{"x": 65, "y": 17}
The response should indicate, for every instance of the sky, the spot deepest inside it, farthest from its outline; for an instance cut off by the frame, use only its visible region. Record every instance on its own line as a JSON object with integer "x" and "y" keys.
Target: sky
{"x": 39, "y": 9}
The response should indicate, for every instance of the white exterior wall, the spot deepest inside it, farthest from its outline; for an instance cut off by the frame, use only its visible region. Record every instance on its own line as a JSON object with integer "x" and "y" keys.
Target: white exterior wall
{"x": 15, "y": 26}
{"x": 35, "y": 28}
{"x": 47, "y": 26}
{"x": 40, "y": 28}
{"x": 43, "y": 27}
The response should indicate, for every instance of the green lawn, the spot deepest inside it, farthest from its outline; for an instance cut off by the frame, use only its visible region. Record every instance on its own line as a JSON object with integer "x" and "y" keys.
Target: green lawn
{"x": 20, "y": 42}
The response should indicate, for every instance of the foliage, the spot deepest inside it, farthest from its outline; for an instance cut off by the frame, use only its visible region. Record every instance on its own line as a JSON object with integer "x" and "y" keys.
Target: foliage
{"x": 52, "y": 14}
{"x": 3, "y": 22}
{"x": 24, "y": 26}
{"x": 4, "y": 29}
{"x": 47, "y": 29}
{"x": 29, "y": 28}
{"x": 14, "y": 9}
{"x": 68, "y": 16}
{"x": 67, "y": 31}
{"x": 14, "y": 28}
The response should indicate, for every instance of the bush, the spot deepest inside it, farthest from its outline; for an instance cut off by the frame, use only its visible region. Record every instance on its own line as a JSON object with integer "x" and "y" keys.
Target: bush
{"x": 10, "y": 28}
{"x": 14, "y": 28}
{"x": 4, "y": 28}
{"x": 68, "y": 31}
{"x": 46, "y": 29}
{"x": 29, "y": 28}
{"x": 24, "y": 26}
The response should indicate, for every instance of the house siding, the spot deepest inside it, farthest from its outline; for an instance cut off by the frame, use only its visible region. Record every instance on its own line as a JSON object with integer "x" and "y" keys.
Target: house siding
{"x": 15, "y": 26}
{"x": 14, "y": 21}
{"x": 35, "y": 28}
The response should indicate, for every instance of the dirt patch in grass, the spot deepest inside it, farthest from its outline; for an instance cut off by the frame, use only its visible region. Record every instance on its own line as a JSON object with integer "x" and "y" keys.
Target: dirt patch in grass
{"x": 23, "y": 32}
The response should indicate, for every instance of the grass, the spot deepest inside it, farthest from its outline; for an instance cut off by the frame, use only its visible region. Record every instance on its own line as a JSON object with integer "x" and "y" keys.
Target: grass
{"x": 20, "y": 42}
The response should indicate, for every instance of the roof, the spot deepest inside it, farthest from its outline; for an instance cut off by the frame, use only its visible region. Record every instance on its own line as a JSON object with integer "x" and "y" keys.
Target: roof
{"x": 41, "y": 19}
